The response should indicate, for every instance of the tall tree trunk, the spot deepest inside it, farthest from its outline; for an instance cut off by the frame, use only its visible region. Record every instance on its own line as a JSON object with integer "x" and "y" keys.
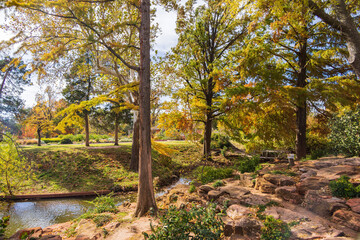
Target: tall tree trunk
{"x": 301, "y": 104}
{"x": 207, "y": 138}
{"x": 345, "y": 24}
{"x": 208, "y": 121}
{"x": 116, "y": 130}
{"x": 39, "y": 136}
{"x": 134, "y": 163}
{"x": 87, "y": 134}
{"x": 146, "y": 196}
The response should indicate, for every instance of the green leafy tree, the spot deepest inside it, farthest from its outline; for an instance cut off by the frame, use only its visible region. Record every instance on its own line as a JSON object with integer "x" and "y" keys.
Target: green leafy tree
{"x": 208, "y": 35}
{"x": 345, "y": 132}
{"x": 13, "y": 79}
{"x": 14, "y": 167}
{"x": 61, "y": 27}
{"x": 79, "y": 88}
{"x": 288, "y": 69}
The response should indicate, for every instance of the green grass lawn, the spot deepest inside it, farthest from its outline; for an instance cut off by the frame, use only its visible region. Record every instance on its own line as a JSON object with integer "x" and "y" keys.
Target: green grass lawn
{"x": 74, "y": 167}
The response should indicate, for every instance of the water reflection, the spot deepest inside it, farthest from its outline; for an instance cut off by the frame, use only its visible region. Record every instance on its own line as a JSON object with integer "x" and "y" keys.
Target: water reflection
{"x": 44, "y": 213}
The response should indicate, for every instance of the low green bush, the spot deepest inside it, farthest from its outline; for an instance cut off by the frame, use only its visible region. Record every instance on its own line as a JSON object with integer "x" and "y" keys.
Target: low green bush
{"x": 342, "y": 187}
{"x": 209, "y": 174}
{"x": 66, "y": 141}
{"x": 275, "y": 229}
{"x": 218, "y": 183}
{"x": 101, "y": 220}
{"x": 345, "y": 132}
{"x": 192, "y": 188}
{"x": 218, "y": 141}
{"x": 317, "y": 146}
{"x": 248, "y": 164}
{"x": 4, "y": 222}
{"x": 196, "y": 223}
{"x": 51, "y": 140}
{"x": 104, "y": 204}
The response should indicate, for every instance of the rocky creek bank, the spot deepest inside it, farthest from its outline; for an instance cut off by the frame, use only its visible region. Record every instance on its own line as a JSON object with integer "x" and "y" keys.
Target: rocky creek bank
{"x": 299, "y": 196}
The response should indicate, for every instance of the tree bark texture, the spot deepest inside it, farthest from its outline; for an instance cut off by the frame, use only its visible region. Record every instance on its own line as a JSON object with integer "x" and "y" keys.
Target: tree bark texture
{"x": 87, "y": 130}
{"x": 39, "y": 136}
{"x": 345, "y": 24}
{"x": 116, "y": 130}
{"x": 134, "y": 164}
{"x": 209, "y": 117}
{"x": 207, "y": 138}
{"x": 301, "y": 104}
{"x": 146, "y": 196}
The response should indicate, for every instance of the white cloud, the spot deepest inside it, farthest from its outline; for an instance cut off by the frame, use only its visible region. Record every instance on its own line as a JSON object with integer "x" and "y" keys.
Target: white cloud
{"x": 168, "y": 37}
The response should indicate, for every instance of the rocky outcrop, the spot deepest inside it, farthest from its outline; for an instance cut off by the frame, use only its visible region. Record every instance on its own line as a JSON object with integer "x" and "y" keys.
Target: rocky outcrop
{"x": 322, "y": 205}
{"x": 311, "y": 183}
{"x": 347, "y": 218}
{"x": 289, "y": 193}
{"x": 35, "y": 234}
{"x": 354, "y": 204}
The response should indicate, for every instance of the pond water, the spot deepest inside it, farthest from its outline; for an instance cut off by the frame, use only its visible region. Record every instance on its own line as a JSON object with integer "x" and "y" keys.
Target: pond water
{"x": 44, "y": 213}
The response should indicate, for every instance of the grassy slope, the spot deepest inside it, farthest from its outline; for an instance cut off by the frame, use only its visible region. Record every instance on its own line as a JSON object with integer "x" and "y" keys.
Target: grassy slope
{"x": 68, "y": 168}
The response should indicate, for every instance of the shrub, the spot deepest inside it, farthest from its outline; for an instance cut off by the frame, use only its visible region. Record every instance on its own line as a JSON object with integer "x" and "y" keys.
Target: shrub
{"x": 101, "y": 220}
{"x": 275, "y": 229}
{"x": 218, "y": 183}
{"x": 51, "y": 140}
{"x": 104, "y": 204}
{"x": 27, "y": 141}
{"x": 192, "y": 188}
{"x": 345, "y": 132}
{"x": 218, "y": 141}
{"x": 343, "y": 188}
{"x": 197, "y": 223}
{"x": 4, "y": 222}
{"x": 66, "y": 141}
{"x": 15, "y": 169}
{"x": 78, "y": 138}
{"x": 248, "y": 164}
{"x": 317, "y": 146}
{"x": 209, "y": 174}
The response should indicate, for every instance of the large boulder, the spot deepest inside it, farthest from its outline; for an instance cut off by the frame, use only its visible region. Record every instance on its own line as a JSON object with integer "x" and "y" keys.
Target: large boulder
{"x": 246, "y": 180}
{"x": 253, "y": 200}
{"x": 289, "y": 193}
{"x": 347, "y": 218}
{"x": 308, "y": 173}
{"x": 234, "y": 191}
{"x": 284, "y": 214}
{"x": 311, "y": 183}
{"x": 354, "y": 204}
{"x": 247, "y": 226}
{"x": 311, "y": 230}
{"x": 322, "y": 205}
{"x": 334, "y": 172}
{"x": 279, "y": 180}
{"x": 204, "y": 189}
{"x": 265, "y": 186}
{"x": 215, "y": 194}
{"x": 237, "y": 211}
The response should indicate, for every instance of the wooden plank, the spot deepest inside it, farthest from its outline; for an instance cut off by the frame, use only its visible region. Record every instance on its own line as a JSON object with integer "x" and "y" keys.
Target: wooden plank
{"x": 55, "y": 195}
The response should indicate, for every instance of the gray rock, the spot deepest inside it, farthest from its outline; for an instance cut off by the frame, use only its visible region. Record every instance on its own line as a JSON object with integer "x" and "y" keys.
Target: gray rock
{"x": 279, "y": 180}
